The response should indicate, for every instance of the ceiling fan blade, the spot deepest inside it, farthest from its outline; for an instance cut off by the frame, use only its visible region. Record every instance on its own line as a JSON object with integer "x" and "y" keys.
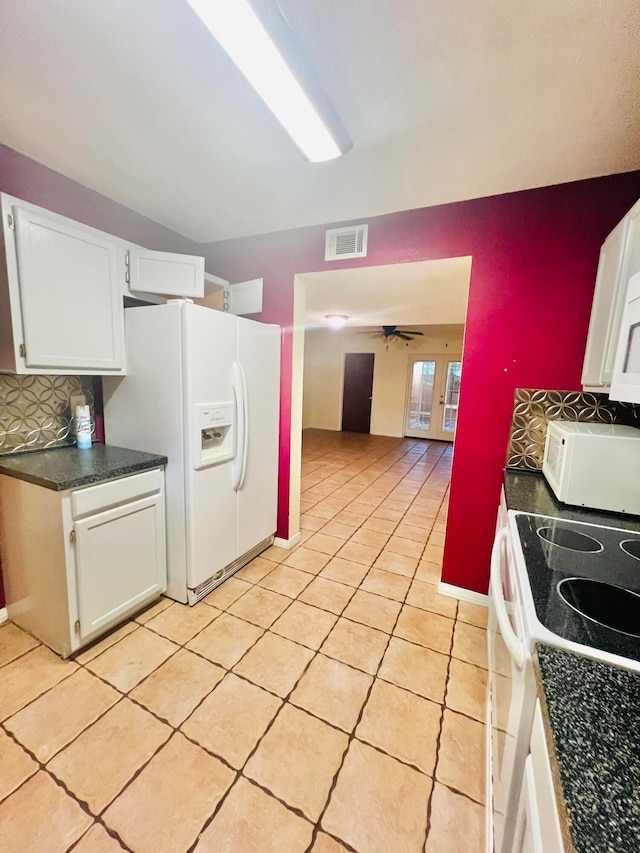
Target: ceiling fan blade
{"x": 402, "y": 336}
{"x": 410, "y": 332}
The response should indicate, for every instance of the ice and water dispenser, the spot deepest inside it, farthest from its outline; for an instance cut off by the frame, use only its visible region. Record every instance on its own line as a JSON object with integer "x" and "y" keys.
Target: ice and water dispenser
{"x": 215, "y": 433}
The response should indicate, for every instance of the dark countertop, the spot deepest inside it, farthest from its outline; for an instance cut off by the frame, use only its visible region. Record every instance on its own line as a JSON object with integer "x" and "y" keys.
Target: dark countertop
{"x": 62, "y": 468}
{"x": 528, "y": 491}
{"x": 593, "y": 715}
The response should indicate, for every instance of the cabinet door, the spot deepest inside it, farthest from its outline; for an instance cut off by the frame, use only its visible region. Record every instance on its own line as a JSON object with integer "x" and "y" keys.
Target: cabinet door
{"x": 72, "y": 313}
{"x": 541, "y": 789}
{"x": 625, "y": 385}
{"x": 166, "y": 273}
{"x": 606, "y": 312}
{"x": 120, "y": 561}
{"x": 244, "y": 297}
{"x": 528, "y": 835}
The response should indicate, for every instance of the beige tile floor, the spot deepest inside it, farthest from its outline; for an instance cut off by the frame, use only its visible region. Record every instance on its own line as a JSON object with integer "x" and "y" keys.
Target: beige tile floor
{"x": 324, "y": 699}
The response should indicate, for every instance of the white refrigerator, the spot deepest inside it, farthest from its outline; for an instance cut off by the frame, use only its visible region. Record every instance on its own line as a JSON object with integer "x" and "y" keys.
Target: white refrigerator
{"x": 203, "y": 388}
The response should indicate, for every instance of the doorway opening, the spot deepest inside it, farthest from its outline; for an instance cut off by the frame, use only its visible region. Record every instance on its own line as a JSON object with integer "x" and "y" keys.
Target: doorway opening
{"x": 425, "y": 299}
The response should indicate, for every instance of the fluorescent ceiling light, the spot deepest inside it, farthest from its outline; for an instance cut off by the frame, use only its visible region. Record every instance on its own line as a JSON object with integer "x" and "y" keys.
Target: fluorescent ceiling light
{"x": 239, "y": 31}
{"x": 336, "y": 320}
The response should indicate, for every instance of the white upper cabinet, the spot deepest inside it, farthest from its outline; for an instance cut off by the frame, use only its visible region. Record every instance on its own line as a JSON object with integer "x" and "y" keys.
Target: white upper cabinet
{"x": 244, "y": 297}
{"x": 625, "y": 384}
{"x": 619, "y": 260}
{"x": 165, "y": 273}
{"x": 60, "y": 295}
{"x": 62, "y": 289}
{"x": 70, "y": 295}
{"x": 607, "y": 303}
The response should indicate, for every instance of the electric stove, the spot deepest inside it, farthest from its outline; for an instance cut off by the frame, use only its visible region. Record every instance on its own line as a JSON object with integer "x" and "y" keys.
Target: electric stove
{"x": 584, "y": 581}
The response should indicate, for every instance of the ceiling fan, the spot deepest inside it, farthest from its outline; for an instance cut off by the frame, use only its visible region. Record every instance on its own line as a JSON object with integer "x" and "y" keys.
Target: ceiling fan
{"x": 394, "y": 333}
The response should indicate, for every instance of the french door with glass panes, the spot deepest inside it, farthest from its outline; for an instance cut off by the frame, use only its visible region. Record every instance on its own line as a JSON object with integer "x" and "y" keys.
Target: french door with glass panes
{"x": 432, "y": 396}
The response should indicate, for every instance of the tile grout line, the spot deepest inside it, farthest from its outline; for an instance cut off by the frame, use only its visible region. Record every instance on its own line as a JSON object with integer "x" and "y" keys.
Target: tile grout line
{"x": 241, "y": 773}
{"x": 315, "y": 651}
{"x": 238, "y": 675}
{"x": 399, "y": 480}
{"x": 352, "y": 735}
{"x": 431, "y": 531}
{"x": 96, "y": 818}
{"x": 272, "y": 722}
{"x": 124, "y": 695}
{"x": 177, "y": 729}
{"x": 287, "y": 699}
{"x": 439, "y": 736}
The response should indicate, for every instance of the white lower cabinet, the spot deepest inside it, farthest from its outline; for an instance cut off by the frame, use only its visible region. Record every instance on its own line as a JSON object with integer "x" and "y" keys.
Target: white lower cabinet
{"x": 76, "y": 563}
{"x": 537, "y": 827}
{"x": 119, "y": 561}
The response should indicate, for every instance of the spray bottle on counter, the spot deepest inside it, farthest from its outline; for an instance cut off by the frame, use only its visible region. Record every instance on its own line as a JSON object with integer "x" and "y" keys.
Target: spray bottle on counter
{"x": 83, "y": 427}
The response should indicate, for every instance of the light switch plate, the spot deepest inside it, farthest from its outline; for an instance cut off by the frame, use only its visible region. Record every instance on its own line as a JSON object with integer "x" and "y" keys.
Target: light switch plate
{"x": 76, "y": 400}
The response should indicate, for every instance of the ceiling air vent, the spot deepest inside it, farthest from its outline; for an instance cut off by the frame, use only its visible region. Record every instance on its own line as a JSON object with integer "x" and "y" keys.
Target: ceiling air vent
{"x": 348, "y": 242}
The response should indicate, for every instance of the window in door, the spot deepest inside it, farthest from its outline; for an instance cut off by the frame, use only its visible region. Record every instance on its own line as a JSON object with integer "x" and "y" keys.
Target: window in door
{"x": 451, "y": 394}
{"x": 432, "y": 397}
{"x": 421, "y": 403}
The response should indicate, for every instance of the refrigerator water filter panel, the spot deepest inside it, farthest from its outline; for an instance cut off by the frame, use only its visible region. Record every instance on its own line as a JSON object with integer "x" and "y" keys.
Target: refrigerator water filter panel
{"x": 214, "y": 434}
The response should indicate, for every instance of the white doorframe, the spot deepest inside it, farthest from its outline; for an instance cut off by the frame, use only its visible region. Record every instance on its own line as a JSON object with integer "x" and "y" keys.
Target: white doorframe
{"x": 297, "y": 379}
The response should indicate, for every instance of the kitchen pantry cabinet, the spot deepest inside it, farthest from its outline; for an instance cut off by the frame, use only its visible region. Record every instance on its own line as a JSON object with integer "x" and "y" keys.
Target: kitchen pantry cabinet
{"x": 78, "y": 562}
{"x": 62, "y": 290}
{"x": 619, "y": 260}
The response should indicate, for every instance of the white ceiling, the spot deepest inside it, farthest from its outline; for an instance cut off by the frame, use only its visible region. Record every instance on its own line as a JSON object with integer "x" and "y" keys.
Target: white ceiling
{"x": 443, "y": 100}
{"x": 423, "y": 293}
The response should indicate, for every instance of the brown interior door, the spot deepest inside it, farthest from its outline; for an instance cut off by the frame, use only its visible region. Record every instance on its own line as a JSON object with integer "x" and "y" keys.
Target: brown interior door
{"x": 358, "y": 388}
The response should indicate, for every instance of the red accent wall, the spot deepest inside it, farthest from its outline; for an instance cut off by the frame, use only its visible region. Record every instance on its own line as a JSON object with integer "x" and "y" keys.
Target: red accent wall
{"x": 534, "y": 259}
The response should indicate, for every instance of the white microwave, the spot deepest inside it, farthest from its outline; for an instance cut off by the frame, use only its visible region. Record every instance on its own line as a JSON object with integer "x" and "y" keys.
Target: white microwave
{"x": 594, "y": 465}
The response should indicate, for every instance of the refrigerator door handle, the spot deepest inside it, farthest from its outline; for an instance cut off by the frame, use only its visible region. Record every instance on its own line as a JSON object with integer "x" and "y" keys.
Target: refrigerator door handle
{"x": 238, "y": 392}
{"x": 245, "y": 425}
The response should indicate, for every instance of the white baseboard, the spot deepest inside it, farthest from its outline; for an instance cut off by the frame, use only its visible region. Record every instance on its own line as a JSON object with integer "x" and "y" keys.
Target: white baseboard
{"x": 3, "y": 615}
{"x": 287, "y": 543}
{"x": 463, "y": 594}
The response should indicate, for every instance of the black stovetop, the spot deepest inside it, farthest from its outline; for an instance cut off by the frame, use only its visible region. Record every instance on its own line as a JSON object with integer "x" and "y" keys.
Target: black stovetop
{"x": 557, "y": 549}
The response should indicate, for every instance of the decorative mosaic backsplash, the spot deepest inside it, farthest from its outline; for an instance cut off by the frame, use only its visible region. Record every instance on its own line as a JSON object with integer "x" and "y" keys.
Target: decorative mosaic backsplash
{"x": 532, "y": 411}
{"x": 35, "y": 410}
